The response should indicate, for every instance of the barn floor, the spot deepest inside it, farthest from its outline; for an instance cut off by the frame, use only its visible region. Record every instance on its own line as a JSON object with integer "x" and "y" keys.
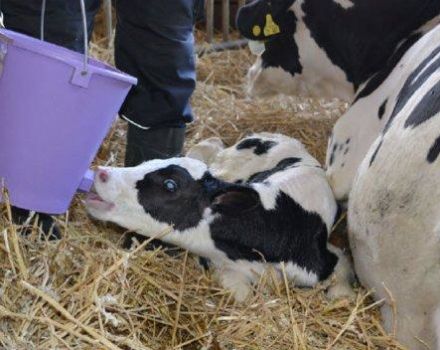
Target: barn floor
{"x": 85, "y": 292}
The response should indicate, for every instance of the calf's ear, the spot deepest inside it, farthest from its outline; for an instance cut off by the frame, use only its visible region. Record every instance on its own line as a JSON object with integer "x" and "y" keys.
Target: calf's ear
{"x": 263, "y": 19}
{"x": 235, "y": 200}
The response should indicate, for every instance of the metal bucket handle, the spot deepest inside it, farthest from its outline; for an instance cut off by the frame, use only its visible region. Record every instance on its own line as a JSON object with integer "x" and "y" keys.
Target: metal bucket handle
{"x": 85, "y": 32}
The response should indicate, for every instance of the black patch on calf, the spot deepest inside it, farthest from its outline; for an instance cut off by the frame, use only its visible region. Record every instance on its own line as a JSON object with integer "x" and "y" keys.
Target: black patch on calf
{"x": 282, "y": 165}
{"x": 260, "y": 147}
{"x": 428, "y": 107}
{"x": 172, "y": 207}
{"x": 288, "y": 233}
{"x": 434, "y": 151}
{"x": 382, "y": 109}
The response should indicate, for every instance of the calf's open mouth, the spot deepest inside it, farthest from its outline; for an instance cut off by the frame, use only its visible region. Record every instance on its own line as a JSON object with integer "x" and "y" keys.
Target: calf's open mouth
{"x": 95, "y": 201}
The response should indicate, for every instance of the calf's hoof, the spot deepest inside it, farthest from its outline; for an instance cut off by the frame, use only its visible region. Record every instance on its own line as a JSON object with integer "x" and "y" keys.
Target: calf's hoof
{"x": 340, "y": 291}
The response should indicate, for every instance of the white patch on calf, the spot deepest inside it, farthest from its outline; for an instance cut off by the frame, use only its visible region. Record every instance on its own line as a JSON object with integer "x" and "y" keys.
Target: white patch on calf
{"x": 196, "y": 168}
{"x": 206, "y": 150}
{"x": 300, "y": 275}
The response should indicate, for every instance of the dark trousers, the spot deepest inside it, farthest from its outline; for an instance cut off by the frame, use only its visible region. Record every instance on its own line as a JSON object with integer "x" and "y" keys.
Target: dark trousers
{"x": 154, "y": 42}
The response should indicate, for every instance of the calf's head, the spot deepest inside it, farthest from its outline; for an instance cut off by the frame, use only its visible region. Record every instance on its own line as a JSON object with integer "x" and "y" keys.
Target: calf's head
{"x": 177, "y": 192}
{"x": 293, "y": 63}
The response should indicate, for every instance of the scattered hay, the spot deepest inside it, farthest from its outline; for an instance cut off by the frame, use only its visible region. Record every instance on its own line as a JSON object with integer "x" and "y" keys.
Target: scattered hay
{"x": 85, "y": 292}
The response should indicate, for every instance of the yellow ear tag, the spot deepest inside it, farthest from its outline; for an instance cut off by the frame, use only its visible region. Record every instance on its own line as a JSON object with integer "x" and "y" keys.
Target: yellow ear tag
{"x": 256, "y": 30}
{"x": 271, "y": 28}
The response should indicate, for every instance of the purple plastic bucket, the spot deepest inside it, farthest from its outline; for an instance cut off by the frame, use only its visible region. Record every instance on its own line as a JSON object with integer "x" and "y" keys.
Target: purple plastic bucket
{"x": 53, "y": 118}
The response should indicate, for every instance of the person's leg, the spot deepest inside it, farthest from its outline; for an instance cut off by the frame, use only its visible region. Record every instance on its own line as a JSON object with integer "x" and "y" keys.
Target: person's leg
{"x": 155, "y": 43}
{"x": 63, "y": 26}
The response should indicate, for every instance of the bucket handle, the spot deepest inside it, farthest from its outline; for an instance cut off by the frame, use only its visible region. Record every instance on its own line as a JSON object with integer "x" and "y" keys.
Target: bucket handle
{"x": 85, "y": 32}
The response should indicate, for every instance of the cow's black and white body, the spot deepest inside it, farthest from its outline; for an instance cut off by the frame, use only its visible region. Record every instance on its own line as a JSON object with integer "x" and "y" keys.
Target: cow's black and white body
{"x": 394, "y": 206}
{"x": 384, "y": 151}
{"x": 350, "y": 49}
{"x": 274, "y": 207}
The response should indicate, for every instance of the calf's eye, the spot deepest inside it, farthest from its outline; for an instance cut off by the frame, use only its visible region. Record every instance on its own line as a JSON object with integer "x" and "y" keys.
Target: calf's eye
{"x": 170, "y": 185}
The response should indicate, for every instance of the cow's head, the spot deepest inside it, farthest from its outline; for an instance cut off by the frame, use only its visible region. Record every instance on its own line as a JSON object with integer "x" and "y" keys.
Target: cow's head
{"x": 159, "y": 194}
{"x": 292, "y": 63}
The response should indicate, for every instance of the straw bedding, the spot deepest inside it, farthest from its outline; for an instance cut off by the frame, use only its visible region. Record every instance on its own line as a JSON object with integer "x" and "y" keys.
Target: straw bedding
{"x": 85, "y": 292}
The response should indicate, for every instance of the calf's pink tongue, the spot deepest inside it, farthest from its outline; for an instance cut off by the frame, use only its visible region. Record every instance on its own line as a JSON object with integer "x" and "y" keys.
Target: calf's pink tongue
{"x": 94, "y": 201}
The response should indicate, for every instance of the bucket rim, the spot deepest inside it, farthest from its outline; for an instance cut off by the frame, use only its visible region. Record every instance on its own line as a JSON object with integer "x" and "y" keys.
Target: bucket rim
{"x": 73, "y": 58}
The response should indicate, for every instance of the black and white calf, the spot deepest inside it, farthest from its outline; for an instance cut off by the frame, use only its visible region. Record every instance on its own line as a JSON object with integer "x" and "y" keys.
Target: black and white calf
{"x": 384, "y": 57}
{"x": 275, "y": 207}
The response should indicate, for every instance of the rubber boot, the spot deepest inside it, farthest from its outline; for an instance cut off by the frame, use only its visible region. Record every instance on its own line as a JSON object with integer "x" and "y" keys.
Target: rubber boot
{"x": 155, "y": 143}
{"x": 45, "y": 222}
{"x": 144, "y": 145}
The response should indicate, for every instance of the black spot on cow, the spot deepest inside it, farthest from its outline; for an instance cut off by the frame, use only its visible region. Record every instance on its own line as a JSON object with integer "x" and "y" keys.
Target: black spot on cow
{"x": 333, "y": 153}
{"x": 428, "y": 107}
{"x": 347, "y": 141}
{"x": 416, "y": 79}
{"x": 281, "y": 166}
{"x": 382, "y": 109}
{"x": 373, "y": 157}
{"x": 260, "y": 147}
{"x": 434, "y": 151}
{"x": 391, "y": 63}
{"x": 296, "y": 235}
{"x": 346, "y": 151}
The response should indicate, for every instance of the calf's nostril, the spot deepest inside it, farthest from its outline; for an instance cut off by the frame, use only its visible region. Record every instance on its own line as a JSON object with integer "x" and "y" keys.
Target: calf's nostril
{"x": 103, "y": 175}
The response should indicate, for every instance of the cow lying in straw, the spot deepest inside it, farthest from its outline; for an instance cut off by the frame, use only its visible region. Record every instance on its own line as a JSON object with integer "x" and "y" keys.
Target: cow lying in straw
{"x": 265, "y": 202}
{"x": 384, "y": 57}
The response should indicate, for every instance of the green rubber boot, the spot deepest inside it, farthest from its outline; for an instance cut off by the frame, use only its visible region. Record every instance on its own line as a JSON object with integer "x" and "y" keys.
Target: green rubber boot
{"x": 155, "y": 143}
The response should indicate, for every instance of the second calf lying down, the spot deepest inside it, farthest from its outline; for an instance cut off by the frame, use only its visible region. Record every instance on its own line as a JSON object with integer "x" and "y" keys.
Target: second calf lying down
{"x": 276, "y": 211}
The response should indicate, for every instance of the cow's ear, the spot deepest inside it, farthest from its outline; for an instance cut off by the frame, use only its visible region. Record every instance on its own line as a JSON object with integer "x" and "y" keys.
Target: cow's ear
{"x": 235, "y": 200}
